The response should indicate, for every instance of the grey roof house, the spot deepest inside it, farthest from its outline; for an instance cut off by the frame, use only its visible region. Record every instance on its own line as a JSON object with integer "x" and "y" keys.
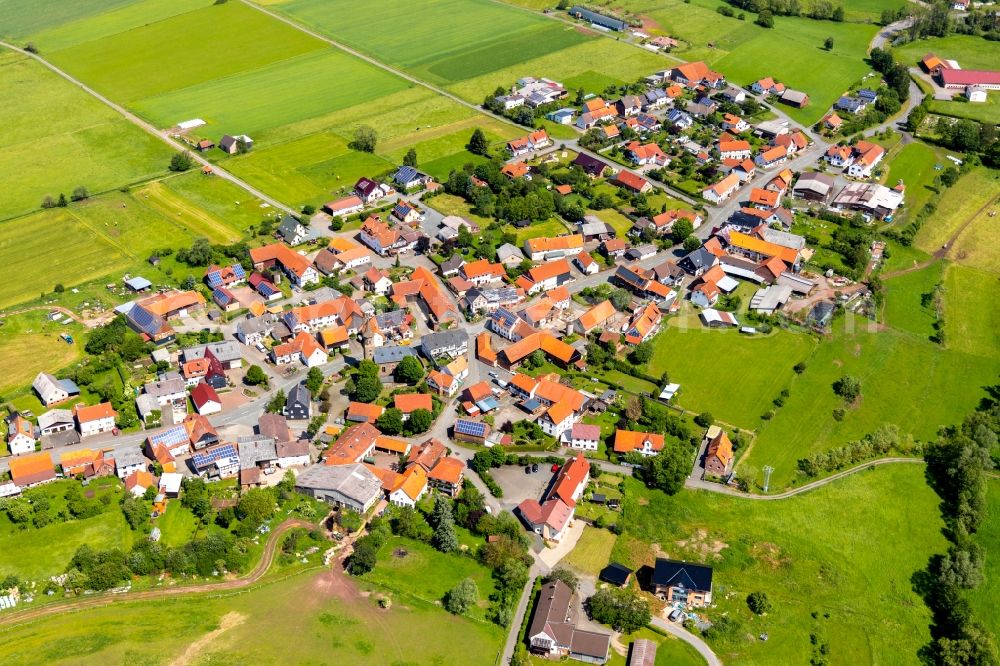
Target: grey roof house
{"x": 352, "y": 487}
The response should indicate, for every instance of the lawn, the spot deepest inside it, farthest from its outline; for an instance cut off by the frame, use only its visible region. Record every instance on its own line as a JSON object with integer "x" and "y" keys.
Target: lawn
{"x": 810, "y": 556}
{"x": 733, "y": 376}
{"x": 177, "y": 525}
{"x": 959, "y": 107}
{"x": 972, "y": 320}
{"x": 592, "y": 552}
{"x": 962, "y": 202}
{"x": 30, "y": 343}
{"x": 54, "y": 151}
{"x": 905, "y": 380}
{"x": 416, "y": 570}
{"x": 449, "y": 204}
{"x": 549, "y": 228}
{"x": 914, "y": 165}
{"x": 178, "y": 52}
{"x": 218, "y": 199}
{"x": 324, "y": 616}
{"x": 904, "y": 308}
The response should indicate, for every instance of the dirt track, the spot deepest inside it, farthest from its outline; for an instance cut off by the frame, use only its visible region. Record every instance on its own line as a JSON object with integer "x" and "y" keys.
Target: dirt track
{"x": 106, "y": 599}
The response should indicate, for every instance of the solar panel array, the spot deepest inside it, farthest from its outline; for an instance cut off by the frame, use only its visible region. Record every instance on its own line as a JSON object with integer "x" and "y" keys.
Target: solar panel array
{"x": 145, "y": 321}
{"x": 266, "y": 289}
{"x": 170, "y": 437}
{"x": 210, "y": 456}
{"x": 471, "y": 428}
{"x": 215, "y": 277}
{"x": 222, "y": 295}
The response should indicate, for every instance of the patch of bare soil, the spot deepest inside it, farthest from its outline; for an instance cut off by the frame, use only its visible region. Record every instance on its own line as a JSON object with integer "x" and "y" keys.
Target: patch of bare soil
{"x": 649, "y": 25}
{"x": 701, "y": 543}
{"x": 400, "y": 553}
{"x": 770, "y": 555}
{"x": 197, "y": 648}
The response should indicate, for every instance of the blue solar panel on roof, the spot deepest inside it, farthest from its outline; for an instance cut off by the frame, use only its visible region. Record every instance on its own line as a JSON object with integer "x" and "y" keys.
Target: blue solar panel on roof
{"x": 266, "y": 289}
{"x": 214, "y": 279}
{"x": 239, "y": 272}
{"x": 213, "y": 455}
{"x": 145, "y": 320}
{"x": 473, "y": 428}
{"x": 175, "y": 435}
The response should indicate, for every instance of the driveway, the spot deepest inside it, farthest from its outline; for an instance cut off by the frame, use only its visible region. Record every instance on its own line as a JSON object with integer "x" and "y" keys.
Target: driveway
{"x": 552, "y": 556}
{"x": 519, "y": 486}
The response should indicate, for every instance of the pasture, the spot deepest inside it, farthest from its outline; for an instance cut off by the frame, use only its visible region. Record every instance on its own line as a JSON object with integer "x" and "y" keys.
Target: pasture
{"x": 905, "y": 380}
{"x": 733, "y": 376}
{"x": 914, "y": 165}
{"x": 24, "y": 17}
{"x": 905, "y": 296}
{"x": 972, "y": 319}
{"x": 30, "y": 343}
{"x": 824, "y": 568}
{"x": 330, "y": 616}
{"x": 53, "y": 151}
{"x": 178, "y": 51}
{"x": 984, "y": 112}
{"x": 984, "y": 598}
{"x": 969, "y": 199}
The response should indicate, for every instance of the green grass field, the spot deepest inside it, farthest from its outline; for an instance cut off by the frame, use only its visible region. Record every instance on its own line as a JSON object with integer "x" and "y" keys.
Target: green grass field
{"x": 983, "y": 599}
{"x": 984, "y": 112}
{"x": 414, "y": 568}
{"x": 958, "y": 205}
{"x": 733, "y": 376}
{"x": 972, "y": 320}
{"x": 914, "y": 165}
{"x": 181, "y": 51}
{"x": 24, "y": 17}
{"x": 906, "y": 380}
{"x": 324, "y": 617}
{"x": 283, "y": 92}
{"x": 810, "y": 556}
{"x": 904, "y": 309}
{"x": 30, "y": 343}
{"x": 54, "y": 151}
{"x": 592, "y": 552}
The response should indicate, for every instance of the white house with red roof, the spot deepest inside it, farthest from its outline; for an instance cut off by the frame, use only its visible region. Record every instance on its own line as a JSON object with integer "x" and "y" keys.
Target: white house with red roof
{"x": 585, "y": 437}
{"x": 205, "y": 399}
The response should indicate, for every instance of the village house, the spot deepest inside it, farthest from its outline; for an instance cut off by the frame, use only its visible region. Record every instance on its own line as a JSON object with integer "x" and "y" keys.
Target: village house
{"x": 546, "y": 249}
{"x": 95, "y": 419}
{"x": 723, "y": 189}
{"x": 32, "y": 470}
{"x": 733, "y": 149}
{"x": 292, "y": 231}
{"x": 646, "y": 443}
{"x": 352, "y": 486}
{"x": 553, "y": 630}
{"x": 767, "y": 86}
{"x": 772, "y": 157}
{"x": 129, "y": 460}
{"x": 684, "y": 583}
{"x": 20, "y": 435}
{"x": 631, "y": 182}
{"x": 343, "y": 207}
{"x": 535, "y": 141}
{"x": 206, "y": 400}
{"x": 646, "y": 154}
{"x": 585, "y": 437}
{"x": 409, "y": 178}
{"x": 545, "y": 277}
{"x": 298, "y": 404}
{"x": 718, "y": 453}
{"x": 297, "y": 267}
{"x": 370, "y": 191}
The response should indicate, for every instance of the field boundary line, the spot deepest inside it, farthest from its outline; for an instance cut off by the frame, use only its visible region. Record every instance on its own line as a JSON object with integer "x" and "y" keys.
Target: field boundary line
{"x": 150, "y": 129}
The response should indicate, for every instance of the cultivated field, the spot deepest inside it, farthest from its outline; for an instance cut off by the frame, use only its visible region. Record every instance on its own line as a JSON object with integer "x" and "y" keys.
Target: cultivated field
{"x": 312, "y": 617}
{"x": 905, "y": 380}
{"x": 57, "y": 138}
{"x": 824, "y": 568}
{"x": 24, "y": 17}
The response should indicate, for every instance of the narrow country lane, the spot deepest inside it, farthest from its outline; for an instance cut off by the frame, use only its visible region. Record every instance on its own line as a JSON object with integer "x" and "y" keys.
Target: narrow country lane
{"x": 149, "y": 129}
{"x": 689, "y": 638}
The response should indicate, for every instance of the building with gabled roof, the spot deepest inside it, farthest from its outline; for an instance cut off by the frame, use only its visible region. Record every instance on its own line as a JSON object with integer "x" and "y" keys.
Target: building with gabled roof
{"x": 553, "y": 630}
{"x": 296, "y": 266}
{"x": 32, "y": 470}
{"x": 596, "y": 316}
{"x": 684, "y": 583}
{"x": 646, "y": 443}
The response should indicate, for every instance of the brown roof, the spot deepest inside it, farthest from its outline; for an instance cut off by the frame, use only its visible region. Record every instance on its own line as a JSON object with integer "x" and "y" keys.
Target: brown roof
{"x": 352, "y": 445}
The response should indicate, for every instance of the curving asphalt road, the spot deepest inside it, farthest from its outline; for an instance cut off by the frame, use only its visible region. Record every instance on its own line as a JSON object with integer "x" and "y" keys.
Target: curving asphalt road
{"x": 689, "y": 638}
{"x": 107, "y": 598}
{"x": 149, "y": 129}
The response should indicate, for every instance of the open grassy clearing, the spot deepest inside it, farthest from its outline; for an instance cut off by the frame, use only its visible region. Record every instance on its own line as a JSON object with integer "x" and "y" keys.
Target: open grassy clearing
{"x": 414, "y": 568}
{"x": 181, "y": 51}
{"x": 972, "y": 319}
{"x": 119, "y": 17}
{"x": 331, "y": 620}
{"x": 733, "y": 376}
{"x": 958, "y": 205}
{"x": 904, "y": 308}
{"x": 592, "y": 552}
{"x": 905, "y": 380}
{"x": 30, "y": 343}
{"x": 984, "y": 112}
{"x": 914, "y": 165}
{"x": 903, "y": 256}
{"x": 976, "y": 246}
{"x": 52, "y": 150}
{"x": 970, "y": 52}
{"x": 808, "y": 554}
{"x": 23, "y": 17}
{"x": 283, "y": 92}
{"x": 37, "y": 553}
{"x": 984, "y": 598}
{"x": 221, "y": 199}
{"x": 449, "y": 204}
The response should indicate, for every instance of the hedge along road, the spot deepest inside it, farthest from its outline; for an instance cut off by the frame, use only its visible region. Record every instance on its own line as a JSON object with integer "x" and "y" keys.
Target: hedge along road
{"x": 162, "y": 136}
{"x": 106, "y": 599}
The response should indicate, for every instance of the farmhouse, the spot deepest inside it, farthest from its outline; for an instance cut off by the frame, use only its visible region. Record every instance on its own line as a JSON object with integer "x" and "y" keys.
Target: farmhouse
{"x": 20, "y": 434}
{"x": 297, "y": 267}
{"x": 869, "y": 198}
{"x": 52, "y": 391}
{"x": 813, "y": 186}
{"x": 718, "y": 453}
{"x": 723, "y": 189}
{"x": 32, "y": 470}
{"x": 553, "y": 629}
{"x": 646, "y": 443}
{"x": 545, "y": 249}
{"x": 962, "y": 78}
{"x": 795, "y": 98}
{"x": 682, "y": 582}
{"x": 93, "y": 420}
